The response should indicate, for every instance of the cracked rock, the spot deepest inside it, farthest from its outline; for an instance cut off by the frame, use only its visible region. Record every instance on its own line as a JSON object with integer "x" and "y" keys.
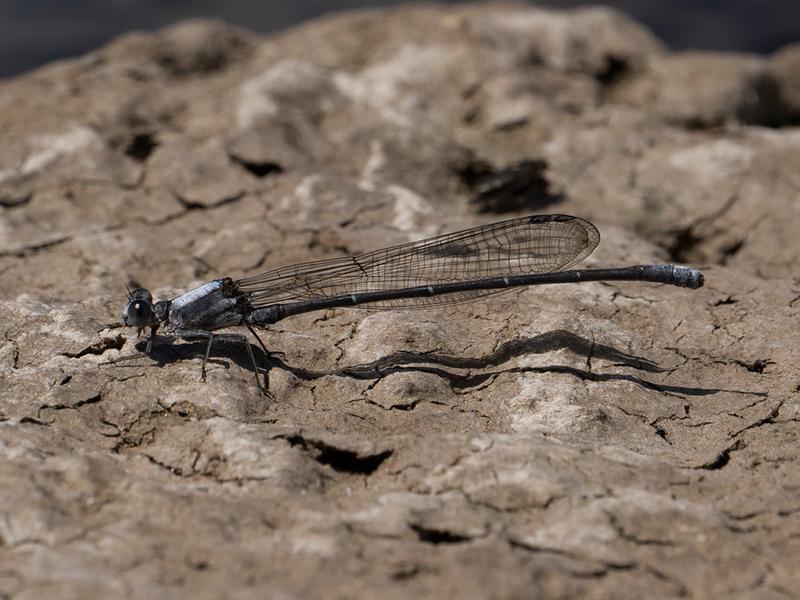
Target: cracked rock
{"x": 600, "y": 440}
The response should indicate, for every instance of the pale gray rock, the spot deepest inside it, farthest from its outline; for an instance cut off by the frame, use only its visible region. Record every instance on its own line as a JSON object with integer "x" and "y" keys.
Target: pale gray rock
{"x": 702, "y": 90}
{"x": 785, "y": 65}
{"x": 602, "y": 440}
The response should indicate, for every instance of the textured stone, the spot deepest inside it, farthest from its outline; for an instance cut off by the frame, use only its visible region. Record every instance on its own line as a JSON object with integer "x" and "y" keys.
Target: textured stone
{"x": 602, "y": 440}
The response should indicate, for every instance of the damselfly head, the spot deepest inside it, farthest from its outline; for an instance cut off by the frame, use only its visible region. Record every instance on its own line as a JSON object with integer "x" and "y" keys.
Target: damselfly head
{"x": 139, "y": 311}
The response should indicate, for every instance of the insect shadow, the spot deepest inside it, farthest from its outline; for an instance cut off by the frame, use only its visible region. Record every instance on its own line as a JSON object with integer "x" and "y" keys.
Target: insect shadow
{"x": 447, "y": 366}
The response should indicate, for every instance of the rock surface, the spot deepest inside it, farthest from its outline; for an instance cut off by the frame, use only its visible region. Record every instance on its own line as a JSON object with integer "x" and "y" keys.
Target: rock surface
{"x": 603, "y": 440}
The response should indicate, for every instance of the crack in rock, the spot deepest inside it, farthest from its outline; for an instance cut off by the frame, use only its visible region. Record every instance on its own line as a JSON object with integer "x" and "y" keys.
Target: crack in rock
{"x": 191, "y": 205}
{"x": 34, "y": 248}
{"x": 757, "y": 366}
{"x": 7, "y": 201}
{"x": 723, "y": 458}
{"x": 98, "y": 397}
{"x": 257, "y": 168}
{"x": 431, "y": 535}
{"x": 769, "y": 418}
{"x": 599, "y": 568}
{"x": 100, "y": 347}
{"x": 141, "y": 146}
{"x": 340, "y": 459}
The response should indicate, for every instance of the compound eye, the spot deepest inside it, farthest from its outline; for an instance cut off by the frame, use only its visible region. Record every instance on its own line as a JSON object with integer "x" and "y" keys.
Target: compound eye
{"x": 139, "y": 311}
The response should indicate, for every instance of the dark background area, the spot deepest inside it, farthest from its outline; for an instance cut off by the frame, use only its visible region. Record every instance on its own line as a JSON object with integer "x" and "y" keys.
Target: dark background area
{"x": 33, "y": 32}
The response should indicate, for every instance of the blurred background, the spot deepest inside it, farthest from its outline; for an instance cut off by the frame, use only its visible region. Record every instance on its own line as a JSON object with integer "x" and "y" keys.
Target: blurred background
{"x": 33, "y": 32}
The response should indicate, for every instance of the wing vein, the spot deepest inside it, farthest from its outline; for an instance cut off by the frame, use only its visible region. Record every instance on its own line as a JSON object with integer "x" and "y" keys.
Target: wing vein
{"x": 535, "y": 244}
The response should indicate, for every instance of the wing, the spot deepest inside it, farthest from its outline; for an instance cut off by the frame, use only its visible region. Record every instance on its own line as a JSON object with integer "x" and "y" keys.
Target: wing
{"x": 534, "y": 244}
